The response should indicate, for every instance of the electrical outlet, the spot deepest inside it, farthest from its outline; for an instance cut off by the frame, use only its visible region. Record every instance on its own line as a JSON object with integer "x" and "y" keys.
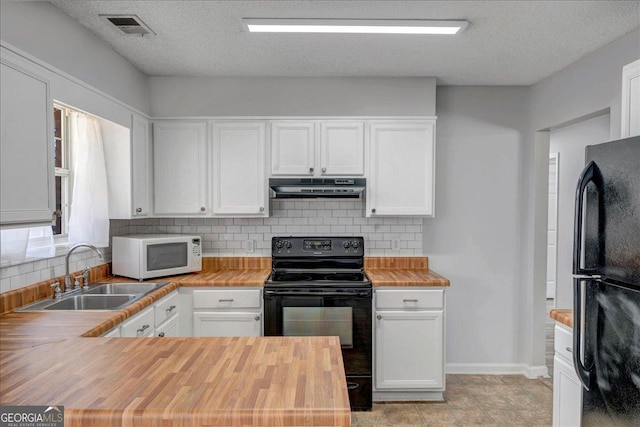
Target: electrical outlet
{"x": 249, "y": 245}
{"x": 395, "y": 244}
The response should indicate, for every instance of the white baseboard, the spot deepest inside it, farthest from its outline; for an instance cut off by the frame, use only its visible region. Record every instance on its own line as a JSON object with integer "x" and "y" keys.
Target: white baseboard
{"x": 497, "y": 369}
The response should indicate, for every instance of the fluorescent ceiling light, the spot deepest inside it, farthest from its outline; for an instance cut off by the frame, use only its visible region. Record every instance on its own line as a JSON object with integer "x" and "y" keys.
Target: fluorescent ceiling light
{"x": 353, "y": 26}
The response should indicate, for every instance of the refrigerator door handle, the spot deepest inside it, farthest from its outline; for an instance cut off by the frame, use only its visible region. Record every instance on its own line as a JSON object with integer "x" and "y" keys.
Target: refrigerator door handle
{"x": 591, "y": 173}
{"x": 583, "y": 373}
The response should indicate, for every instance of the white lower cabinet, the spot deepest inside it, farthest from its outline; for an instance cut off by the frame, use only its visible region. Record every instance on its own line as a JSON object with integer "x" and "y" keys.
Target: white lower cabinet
{"x": 160, "y": 320}
{"x": 115, "y": 332}
{"x": 224, "y": 312}
{"x": 209, "y": 324}
{"x": 169, "y": 328}
{"x": 166, "y": 315}
{"x": 567, "y": 389}
{"x": 409, "y": 344}
{"x": 140, "y": 325}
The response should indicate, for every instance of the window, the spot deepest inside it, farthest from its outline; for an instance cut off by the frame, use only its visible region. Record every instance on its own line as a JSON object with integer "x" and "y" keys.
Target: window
{"x": 61, "y": 154}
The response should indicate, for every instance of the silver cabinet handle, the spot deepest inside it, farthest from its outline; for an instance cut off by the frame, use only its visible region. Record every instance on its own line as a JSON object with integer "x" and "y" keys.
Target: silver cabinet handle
{"x": 161, "y": 334}
{"x": 202, "y": 209}
{"x": 170, "y": 309}
{"x": 311, "y": 170}
{"x": 324, "y": 170}
{"x": 378, "y": 317}
{"x": 569, "y": 349}
{"x": 138, "y": 210}
{"x": 373, "y": 210}
{"x": 226, "y": 300}
{"x": 261, "y": 209}
{"x": 257, "y": 318}
{"x": 142, "y": 329}
{"x": 410, "y": 300}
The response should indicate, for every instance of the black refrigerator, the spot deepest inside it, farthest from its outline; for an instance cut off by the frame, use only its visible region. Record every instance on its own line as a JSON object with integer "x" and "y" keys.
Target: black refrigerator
{"x": 606, "y": 268}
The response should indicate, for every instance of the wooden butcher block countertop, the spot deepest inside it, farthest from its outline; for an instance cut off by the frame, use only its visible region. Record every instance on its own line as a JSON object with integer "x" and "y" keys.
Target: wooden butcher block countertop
{"x": 564, "y": 316}
{"x": 402, "y": 271}
{"x": 265, "y": 381}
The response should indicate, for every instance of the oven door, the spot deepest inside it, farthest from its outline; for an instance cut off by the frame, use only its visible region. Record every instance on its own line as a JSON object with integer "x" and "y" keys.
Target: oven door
{"x": 344, "y": 313}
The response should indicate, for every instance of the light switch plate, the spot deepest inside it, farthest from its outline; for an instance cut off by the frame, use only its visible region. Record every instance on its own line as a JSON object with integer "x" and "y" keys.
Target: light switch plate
{"x": 395, "y": 244}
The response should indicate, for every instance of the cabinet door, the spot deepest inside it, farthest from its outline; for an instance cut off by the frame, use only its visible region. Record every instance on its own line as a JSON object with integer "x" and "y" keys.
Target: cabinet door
{"x": 342, "y": 148}
{"x": 222, "y": 324}
{"x": 401, "y": 169}
{"x": 239, "y": 182}
{"x": 140, "y": 170}
{"x": 179, "y": 168}
{"x": 169, "y": 328}
{"x": 409, "y": 350}
{"x": 26, "y": 151}
{"x": 567, "y": 395}
{"x": 140, "y": 325}
{"x": 292, "y": 148}
{"x": 631, "y": 100}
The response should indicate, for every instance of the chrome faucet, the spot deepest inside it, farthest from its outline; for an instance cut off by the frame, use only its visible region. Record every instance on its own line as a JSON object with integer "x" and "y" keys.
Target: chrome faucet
{"x": 67, "y": 276}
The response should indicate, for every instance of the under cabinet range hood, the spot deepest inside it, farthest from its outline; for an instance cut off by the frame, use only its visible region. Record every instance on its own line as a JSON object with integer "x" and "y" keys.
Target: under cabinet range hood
{"x": 315, "y": 188}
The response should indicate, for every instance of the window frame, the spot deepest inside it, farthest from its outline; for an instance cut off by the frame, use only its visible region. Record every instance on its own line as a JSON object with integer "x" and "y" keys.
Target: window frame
{"x": 64, "y": 173}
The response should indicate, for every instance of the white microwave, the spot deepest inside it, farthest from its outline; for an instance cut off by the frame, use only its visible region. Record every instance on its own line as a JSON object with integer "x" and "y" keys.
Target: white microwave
{"x": 145, "y": 256}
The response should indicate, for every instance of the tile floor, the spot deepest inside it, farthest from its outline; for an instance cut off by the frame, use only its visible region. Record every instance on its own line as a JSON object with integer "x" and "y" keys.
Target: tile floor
{"x": 488, "y": 400}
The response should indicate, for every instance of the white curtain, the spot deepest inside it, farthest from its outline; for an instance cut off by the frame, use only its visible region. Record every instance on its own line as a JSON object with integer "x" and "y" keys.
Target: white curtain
{"x": 89, "y": 218}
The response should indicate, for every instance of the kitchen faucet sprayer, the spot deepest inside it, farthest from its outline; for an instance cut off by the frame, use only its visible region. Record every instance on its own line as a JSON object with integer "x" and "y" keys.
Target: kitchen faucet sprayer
{"x": 67, "y": 276}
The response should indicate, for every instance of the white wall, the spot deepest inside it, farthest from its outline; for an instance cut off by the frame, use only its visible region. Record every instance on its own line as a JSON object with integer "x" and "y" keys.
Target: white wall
{"x": 42, "y": 30}
{"x": 585, "y": 87}
{"x": 473, "y": 240}
{"x": 570, "y": 141}
{"x": 287, "y": 96}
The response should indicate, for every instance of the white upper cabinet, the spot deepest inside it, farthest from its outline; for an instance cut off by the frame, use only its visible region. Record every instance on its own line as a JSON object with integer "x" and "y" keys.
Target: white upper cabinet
{"x": 180, "y": 168}
{"x": 401, "y": 168}
{"x": 341, "y": 148}
{"x": 317, "y": 148}
{"x": 239, "y": 179}
{"x": 26, "y": 151}
{"x": 127, "y": 155}
{"x": 141, "y": 170}
{"x": 631, "y": 100}
{"x": 292, "y": 148}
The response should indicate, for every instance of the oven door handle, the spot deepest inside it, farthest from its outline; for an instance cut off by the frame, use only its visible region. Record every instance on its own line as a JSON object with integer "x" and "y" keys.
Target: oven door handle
{"x": 363, "y": 293}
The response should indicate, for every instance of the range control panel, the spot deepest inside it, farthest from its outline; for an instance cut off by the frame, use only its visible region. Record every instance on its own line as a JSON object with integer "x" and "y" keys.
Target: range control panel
{"x": 317, "y": 246}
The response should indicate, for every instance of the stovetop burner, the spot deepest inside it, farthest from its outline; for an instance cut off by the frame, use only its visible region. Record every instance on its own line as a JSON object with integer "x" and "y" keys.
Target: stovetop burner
{"x": 317, "y": 261}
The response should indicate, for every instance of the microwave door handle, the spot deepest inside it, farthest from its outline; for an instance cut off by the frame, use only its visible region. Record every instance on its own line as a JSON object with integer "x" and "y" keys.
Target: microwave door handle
{"x": 591, "y": 173}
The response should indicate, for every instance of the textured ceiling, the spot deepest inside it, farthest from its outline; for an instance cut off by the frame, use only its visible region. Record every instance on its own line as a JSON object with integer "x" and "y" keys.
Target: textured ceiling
{"x": 506, "y": 43}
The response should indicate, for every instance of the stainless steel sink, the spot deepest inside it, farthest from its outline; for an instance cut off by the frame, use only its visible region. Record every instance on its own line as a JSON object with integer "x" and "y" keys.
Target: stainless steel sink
{"x": 92, "y": 302}
{"x": 99, "y": 296}
{"x": 124, "y": 288}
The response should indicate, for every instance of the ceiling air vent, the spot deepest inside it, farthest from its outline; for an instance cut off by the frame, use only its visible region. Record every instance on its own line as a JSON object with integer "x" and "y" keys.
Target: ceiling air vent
{"x": 130, "y": 25}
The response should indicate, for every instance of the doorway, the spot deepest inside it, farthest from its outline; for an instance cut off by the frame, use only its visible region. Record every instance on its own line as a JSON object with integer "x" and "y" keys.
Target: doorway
{"x": 567, "y": 145}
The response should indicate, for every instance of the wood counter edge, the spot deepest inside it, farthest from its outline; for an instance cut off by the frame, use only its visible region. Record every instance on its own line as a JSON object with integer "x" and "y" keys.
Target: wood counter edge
{"x": 562, "y": 315}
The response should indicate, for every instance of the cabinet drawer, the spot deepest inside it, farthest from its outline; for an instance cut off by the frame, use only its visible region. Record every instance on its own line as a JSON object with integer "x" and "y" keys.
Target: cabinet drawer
{"x": 563, "y": 343}
{"x": 227, "y": 298}
{"x": 165, "y": 308}
{"x": 422, "y": 298}
{"x": 140, "y": 325}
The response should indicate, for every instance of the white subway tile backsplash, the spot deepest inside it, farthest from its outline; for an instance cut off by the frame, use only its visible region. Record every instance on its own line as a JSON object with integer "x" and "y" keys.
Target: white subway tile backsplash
{"x": 226, "y": 236}
{"x": 5, "y": 285}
